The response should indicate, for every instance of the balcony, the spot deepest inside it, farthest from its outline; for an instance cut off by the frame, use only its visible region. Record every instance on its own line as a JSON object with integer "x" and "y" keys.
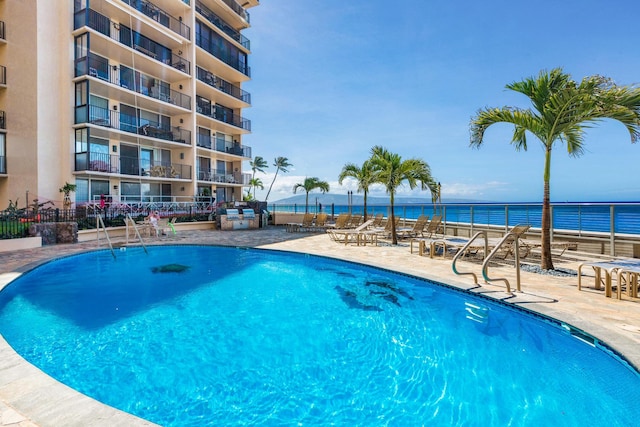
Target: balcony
{"x": 3, "y": 165}
{"x": 238, "y": 9}
{"x": 221, "y": 49}
{"x": 222, "y": 25}
{"x": 222, "y": 85}
{"x": 127, "y": 37}
{"x": 3, "y": 75}
{"x": 111, "y": 163}
{"x": 219, "y": 144}
{"x": 220, "y": 113}
{"x": 3, "y": 122}
{"x": 2, "y": 33}
{"x": 221, "y": 176}
{"x": 96, "y": 66}
{"x": 157, "y": 14}
{"x": 104, "y": 117}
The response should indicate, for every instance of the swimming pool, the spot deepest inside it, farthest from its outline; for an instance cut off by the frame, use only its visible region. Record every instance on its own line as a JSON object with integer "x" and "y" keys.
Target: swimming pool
{"x": 190, "y": 335}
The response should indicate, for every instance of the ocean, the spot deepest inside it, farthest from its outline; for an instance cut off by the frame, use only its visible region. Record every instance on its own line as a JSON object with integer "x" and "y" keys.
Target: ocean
{"x": 619, "y": 217}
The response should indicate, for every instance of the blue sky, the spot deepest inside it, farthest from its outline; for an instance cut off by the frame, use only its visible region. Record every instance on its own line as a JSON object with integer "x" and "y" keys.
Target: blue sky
{"x": 333, "y": 78}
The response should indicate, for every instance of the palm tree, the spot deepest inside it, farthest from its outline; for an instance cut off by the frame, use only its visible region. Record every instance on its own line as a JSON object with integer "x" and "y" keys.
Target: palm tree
{"x": 364, "y": 176}
{"x": 258, "y": 164}
{"x": 309, "y": 185}
{"x": 391, "y": 171}
{"x": 281, "y": 164}
{"x": 255, "y": 183}
{"x": 562, "y": 110}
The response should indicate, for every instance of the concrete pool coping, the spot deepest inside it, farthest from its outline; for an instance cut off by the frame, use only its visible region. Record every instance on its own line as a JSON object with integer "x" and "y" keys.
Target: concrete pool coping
{"x": 29, "y": 397}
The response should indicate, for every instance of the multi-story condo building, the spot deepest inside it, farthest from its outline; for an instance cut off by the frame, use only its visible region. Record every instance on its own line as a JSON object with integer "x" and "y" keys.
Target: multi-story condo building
{"x": 137, "y": 100}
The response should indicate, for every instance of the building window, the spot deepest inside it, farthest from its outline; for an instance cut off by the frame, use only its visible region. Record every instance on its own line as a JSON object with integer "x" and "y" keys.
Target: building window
{"x": 3, "y": 153}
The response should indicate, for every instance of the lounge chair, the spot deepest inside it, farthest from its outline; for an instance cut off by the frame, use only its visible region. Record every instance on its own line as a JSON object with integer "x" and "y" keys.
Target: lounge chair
{"x": 354, "y": 221}
{"x": 320, "y": 223}
{"x": 307, "y": 223}
{"x": 377, "y": 220}
{"x": 341, "y": 221}
{"x": 386, "y": 230}
{"x": 445, "y": 245}
{"x": 433, "y": 227}
{"x": 417, "y": 229}
{"x": 355, "y": 234}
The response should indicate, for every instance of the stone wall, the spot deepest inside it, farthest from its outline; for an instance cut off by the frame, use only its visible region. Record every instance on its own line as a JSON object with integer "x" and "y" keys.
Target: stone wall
{"x": 55, "y": 232}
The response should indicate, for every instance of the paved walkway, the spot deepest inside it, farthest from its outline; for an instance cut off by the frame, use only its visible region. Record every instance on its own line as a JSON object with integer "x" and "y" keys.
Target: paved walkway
{"x": 30, "y": 398}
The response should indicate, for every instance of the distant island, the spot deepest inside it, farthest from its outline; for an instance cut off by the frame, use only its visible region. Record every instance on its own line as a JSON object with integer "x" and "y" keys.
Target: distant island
{"x": 358, "y": 199}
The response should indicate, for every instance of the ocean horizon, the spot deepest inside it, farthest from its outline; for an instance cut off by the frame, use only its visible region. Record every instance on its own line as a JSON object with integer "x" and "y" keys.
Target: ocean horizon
{"x": 604, "y": 217}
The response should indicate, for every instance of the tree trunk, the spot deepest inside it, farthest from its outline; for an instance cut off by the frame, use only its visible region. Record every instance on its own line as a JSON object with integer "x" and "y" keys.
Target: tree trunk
{"x": 394, "y": 236}
{"x": 274, "y": 180}
{"x": 546, "y": 262}
{"x": 365, "y": 207}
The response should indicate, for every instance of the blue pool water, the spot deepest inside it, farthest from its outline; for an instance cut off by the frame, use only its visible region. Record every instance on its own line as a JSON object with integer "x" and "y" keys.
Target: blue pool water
{"x": 253, "y": 337}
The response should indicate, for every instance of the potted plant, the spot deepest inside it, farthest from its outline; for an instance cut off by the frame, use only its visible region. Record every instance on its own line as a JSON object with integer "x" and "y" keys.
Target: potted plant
{"x": 66, "y": 189}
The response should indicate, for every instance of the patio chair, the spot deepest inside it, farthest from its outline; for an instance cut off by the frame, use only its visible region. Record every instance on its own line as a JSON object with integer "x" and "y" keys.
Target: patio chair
{"x": 307, "y": 223}
{"x": 167, "y": 226}
{"x": 346, "y": 235}
{"x": 320, "y": 222}
{"x": 341, "y": 222}
{"x": 433, "y": 227}
{"x": 386, "y": 230}
{"x": 417, "y": 229}
{"x": 354, "y": 221}
{"x": 377, "y": 220}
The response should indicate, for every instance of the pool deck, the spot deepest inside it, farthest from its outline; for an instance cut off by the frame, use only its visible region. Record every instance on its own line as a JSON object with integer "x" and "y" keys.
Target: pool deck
{"x": 29, "y": 398}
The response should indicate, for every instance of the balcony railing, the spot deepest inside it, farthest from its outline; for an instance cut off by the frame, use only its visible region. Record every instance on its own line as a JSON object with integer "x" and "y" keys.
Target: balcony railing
{"x": 2, "y": 34}
{"x": 222, "y": 85}
{"x": 113, "y": 119}
{"x": 3, "y": 75}
{"x": 97, "y": 66}
{"x": 224, "y": 177}
{"x": 157, "y": 14}
{"x": 219, "y": 144}
{"x": 204, "y": 106}
{"x": 3, "y": 165}
{"x": 234, "y": 61}
{"x": 3, "y": 122}
{"x": 129, "y": 38}
{"x": 124, "y": 165}
{"x": 238, "y": 9}
{"x": 219, "y": 22}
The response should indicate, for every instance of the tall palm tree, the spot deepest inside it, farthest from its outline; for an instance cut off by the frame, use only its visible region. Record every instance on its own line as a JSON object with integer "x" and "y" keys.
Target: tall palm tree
{"x": 562, "y": 110}
{"x": 258, "y": 164}
{"x": 281, "y": 164}
{"x": 363, "y": 175}
{"x": 309, "y": 185}
{"x": 255, "y": 183}
{"x": 391, "y": 171}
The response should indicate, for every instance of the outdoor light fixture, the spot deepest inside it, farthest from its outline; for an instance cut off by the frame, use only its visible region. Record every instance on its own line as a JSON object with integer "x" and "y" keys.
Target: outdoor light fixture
{"x": 115, "y": 108}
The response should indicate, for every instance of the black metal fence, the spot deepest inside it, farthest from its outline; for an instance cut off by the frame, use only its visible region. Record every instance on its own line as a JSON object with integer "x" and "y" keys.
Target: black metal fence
{"x": 14, "y": 224}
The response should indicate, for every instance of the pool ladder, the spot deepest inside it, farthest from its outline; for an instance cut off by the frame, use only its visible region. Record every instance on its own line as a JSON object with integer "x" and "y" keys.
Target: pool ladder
{"x": 512, "y": 237}
{"x": 100, "y": 226}
{"x": 129, "y": 222}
